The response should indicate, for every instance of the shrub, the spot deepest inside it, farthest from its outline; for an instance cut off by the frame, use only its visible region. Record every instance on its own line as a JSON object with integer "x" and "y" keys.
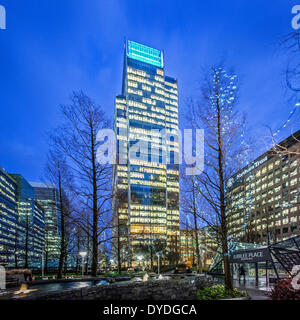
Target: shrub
{"x": 218, "y": 292}
{"x": 203, "y": 282}
{"x": 283, "y": 290}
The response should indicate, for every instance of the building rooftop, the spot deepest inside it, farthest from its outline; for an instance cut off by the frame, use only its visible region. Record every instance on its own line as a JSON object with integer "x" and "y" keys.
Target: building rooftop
{"x": 145, "y": 54}
{"x": 288, "y": 142}
{"x": 42, "y": 185}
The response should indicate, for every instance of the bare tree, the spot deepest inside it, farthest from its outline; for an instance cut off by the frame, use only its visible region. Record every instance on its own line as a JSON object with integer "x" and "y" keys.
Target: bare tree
{"x": 77, "y": 139}
{"x": 191, "y": 205}
{"x": 215, "y": 113}
{"x": 119, "y": 228}
{"x": 290, "y": 44}
{"x": 57, "y": 173}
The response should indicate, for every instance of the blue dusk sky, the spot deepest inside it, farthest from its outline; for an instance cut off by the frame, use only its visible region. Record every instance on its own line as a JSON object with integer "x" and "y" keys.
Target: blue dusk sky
{"x": 51, "y": 48}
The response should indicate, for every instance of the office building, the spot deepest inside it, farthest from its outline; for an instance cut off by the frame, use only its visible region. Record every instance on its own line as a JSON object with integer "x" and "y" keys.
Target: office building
{"x": 207, "y": 241}
{"x": 263, "y": 198}
{"x": 22, "y": 225}
{"x": 31, "y": 220}
{"x": 146, "y": 187}
{"x": 46, "y": 195}
{"x": 9, "y": 227}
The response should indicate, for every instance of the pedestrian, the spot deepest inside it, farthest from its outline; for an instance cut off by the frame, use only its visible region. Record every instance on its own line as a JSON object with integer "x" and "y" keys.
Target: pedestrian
{"x": 188, "y": 270}
{"x": 242, "y": 273}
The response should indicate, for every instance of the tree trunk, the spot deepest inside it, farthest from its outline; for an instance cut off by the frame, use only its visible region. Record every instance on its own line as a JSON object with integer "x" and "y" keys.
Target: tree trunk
{"x": 227, "y": 273}
{"x": 27, "y": 242}
{"x": 46, "y": 262}
{"x": 95, "y": 210}
{"x": 118, "y": 245}
{"x": 199, "y": 264}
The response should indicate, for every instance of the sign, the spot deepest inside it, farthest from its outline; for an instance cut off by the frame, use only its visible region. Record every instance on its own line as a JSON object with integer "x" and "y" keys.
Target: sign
{"x": 250, "y": 255}
{"x": 252, "y": 166}
{"x": 2, "y": 18}
{"x": 248, "y": 168}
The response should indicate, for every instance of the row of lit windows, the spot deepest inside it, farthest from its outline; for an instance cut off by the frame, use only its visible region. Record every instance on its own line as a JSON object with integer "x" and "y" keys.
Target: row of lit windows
{"x": 147, "y": 207}
{"x": 147, "y": 229}
{"x": 146, "y": 120}
{"x": 148, "y": 183}
{"x": 147, "y": 220}
{"x": 148, "y": 114}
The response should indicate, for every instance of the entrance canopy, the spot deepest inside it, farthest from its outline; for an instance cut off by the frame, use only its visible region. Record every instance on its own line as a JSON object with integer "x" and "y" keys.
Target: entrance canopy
{"x": 283, "y": 255}
{"x": 216, "y": 268}
{"x": 286, "y": 253}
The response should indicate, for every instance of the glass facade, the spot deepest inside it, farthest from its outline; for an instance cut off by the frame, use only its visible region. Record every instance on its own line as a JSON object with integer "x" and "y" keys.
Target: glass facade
{"x": 146, "y": 187}
{"x": 9, "y": 227}
{"x": 263, "y": 198}
{"x": 46, "y": 195}
{"x": 22, "y": 222}
{"x": 31, "y": 218}
{"x": 208, "y": 244}
{"x": 29, "y": 221}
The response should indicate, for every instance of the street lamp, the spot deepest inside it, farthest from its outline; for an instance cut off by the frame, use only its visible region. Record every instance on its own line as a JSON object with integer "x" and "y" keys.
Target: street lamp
{"x": 83, "y": 255}
{"x": 43, "y": 265}
{"x": 140, "y": 258}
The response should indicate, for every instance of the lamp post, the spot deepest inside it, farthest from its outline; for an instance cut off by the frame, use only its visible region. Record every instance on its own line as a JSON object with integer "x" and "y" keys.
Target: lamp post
{"x": 140, "y": 258}
{"x": 16, "y": 259}
{"x": 43, "y": 265}
{"x": 111, "y": 263}
{"x": 82, "y": 254}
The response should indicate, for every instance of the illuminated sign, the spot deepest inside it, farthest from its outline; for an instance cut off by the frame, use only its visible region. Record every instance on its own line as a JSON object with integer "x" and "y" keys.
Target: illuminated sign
{"x": 250, "y": 255}
{"x": 247, "y": 170}
{"x": 144, "y": 53}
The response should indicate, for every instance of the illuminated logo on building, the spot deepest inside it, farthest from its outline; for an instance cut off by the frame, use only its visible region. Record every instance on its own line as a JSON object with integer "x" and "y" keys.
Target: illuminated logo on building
{"x": 252, "y": 166}
{"x": 145, "y": 54}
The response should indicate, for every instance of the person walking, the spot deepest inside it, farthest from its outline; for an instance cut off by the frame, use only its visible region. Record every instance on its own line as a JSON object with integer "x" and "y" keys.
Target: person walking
{"x": 242, "y": 273}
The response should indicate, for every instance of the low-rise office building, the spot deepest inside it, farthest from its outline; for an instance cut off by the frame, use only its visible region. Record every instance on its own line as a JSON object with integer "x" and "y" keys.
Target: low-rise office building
{"x": 31, "y": 221}
{"x": 263, "y": 198}
{"x": 22, "y": 222}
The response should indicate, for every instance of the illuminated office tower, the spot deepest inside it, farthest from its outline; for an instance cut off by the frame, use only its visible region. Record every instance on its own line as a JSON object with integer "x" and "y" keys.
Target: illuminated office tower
{"x": 46, "y": 195}
{"x": 9, "y": 225}
{"x": 146, "y": 187}
{"x": 30, "y": 238}
{"x": 22, "y": 222}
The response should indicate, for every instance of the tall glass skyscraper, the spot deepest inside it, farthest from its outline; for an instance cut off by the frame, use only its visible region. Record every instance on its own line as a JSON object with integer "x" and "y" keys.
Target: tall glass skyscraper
{"x": 146, "y": 186}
